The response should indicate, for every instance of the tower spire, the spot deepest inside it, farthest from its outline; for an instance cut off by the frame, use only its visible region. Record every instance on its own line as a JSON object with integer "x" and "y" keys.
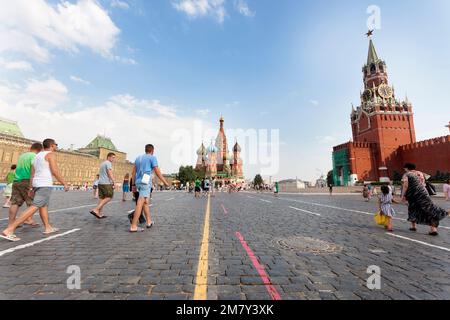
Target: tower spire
{"x": 372, "y": 57}
{"x": 222, "y": 120}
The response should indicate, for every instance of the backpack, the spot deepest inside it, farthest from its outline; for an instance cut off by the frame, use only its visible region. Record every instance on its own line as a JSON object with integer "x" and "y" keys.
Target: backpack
{"x": 431, "y": 189}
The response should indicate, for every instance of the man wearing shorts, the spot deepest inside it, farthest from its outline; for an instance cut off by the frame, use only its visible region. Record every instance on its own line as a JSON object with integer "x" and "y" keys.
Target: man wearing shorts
{"x": 43, "y": 169}
{"x": 142, "y": 177}
{"x": 21, "y": 184}
{"x": 105, "y": 186}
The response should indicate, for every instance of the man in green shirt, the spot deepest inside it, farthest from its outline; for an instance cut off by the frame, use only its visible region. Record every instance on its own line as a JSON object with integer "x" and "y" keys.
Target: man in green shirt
{"x": 198, "y": 188}
{"x": 21, "y": 184}
{"x": 276, "y": 189}
{"x": 9, "y": 183}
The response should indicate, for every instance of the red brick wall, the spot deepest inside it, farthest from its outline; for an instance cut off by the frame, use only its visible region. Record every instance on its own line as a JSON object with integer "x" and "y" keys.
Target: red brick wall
{"x": 429, "y": 156}
{"x": 388, "y": 132}
{"x": 363, "y": 161}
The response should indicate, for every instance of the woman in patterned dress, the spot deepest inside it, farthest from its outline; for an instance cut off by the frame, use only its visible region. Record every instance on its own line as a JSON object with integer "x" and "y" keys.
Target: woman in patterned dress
{"x": 421, "y": 209}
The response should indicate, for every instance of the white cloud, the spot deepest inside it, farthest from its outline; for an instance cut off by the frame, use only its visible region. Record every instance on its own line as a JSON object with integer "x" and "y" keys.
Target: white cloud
{"x": 34, "y": 28}
{"x": 15, "y": 65}
{"x": 202, "y": 8}
{"x": 314, "y": 102}
{"x": 233, "y": 104}
{"x": 243, "y": 8}
{"x": 203, "y": 112}
{"x": 123, "y": 60}
{"x": 121, "y": 118}
{"x": 79, "y": 80}
{"x": 129, "y": 102}
{"x": 40, "y": 94}
{"x": 120, "y": 4}
{"x": 326, "y": 139}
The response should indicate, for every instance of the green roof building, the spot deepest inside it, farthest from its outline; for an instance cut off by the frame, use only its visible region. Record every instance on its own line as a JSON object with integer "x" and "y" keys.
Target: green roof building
{"x": 10, "y": 128}
{"x": 101, "y": 142}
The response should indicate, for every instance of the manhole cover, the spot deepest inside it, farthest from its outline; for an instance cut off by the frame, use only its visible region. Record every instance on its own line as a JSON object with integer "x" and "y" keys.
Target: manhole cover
{"x": 307, "y": 245}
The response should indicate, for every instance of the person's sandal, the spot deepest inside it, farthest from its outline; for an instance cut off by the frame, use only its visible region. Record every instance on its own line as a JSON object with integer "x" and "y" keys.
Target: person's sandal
{"x": 10, "y": 238}
{"x": 433, "y": 234}
{"x": 51, "y": 231}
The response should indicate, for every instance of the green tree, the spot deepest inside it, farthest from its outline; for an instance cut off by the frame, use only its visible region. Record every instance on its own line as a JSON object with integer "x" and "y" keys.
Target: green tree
{"x": 258, "y": 180}
{"x": 187, "y": 174}
{"x": 200, "y": 173}
{"x": 330, "y": 179}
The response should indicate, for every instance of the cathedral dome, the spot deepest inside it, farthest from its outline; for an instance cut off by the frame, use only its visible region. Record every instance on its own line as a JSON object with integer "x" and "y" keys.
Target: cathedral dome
{"x": 212, "y": 149}
{"x": 201, "y": 150}
{"x": 237, "y": 147}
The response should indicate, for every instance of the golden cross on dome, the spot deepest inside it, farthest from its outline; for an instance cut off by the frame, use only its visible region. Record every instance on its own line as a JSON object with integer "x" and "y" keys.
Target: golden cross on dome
{"x": 370, "y": 33}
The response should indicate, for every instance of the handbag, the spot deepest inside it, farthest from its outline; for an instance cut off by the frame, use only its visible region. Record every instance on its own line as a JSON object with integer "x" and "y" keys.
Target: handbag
{"x": 142, "y": 219}
{"x": 145, "y": 179}
{"x": 380, "y": 219}
{"x": 431, "y": 189}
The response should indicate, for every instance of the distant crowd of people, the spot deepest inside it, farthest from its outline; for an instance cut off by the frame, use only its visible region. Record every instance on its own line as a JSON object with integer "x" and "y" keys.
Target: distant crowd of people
{"x": 204, "y": 187}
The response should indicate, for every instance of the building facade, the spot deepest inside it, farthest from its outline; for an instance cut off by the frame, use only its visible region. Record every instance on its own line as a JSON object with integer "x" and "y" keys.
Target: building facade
{"x": 384, "y": 137}
{"x": 76, "y": 166}
{"x": 216, "y": 161}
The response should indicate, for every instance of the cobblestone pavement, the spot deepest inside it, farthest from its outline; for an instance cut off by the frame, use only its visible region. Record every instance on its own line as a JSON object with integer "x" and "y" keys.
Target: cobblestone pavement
{"x": 259, "y": 247}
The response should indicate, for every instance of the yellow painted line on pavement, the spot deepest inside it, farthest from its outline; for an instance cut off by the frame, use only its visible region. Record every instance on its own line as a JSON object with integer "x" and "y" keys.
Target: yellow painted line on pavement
{"x": 201, "y": 281}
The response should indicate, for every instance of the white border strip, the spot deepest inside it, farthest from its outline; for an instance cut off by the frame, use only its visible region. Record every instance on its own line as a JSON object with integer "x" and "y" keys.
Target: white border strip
{"x": 306, "y": 211}
{"x": 349, "y": 210}
{"x": 417, "y": 241}
{"x": 27, "y": 245}
{"x": 80, "y": 207}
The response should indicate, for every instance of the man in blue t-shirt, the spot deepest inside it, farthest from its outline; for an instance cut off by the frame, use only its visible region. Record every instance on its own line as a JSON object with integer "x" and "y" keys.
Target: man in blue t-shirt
{"x": 143, "y": 168}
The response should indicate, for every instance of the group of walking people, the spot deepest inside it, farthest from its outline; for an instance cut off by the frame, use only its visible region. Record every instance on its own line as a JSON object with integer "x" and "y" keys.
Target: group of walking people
{"x": 204, "y": 186}
{"x": 32, "y": 183}
{"x": 140, "y": 183}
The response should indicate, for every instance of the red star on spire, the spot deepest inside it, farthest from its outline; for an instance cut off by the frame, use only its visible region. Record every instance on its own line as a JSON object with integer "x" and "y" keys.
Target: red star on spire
{"x": 369, "y": 33}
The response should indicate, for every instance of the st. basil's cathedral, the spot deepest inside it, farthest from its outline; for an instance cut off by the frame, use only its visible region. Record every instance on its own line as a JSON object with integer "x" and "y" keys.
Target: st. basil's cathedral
{"x": 216, "y": 161}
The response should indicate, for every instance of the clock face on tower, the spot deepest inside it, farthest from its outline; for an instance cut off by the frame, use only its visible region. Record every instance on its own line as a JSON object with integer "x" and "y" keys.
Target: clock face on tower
{"x": 385, "y": 91}
{"x": 367, "y": 95}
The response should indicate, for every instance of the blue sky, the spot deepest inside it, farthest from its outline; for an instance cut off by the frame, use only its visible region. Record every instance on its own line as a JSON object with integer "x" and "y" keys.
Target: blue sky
{"x": 148, "y": 67}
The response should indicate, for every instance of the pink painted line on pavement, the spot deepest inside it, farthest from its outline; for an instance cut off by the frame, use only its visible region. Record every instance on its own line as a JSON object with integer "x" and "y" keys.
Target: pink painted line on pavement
{"x": 265, "y": 278}
{"x": 224, "y": 210}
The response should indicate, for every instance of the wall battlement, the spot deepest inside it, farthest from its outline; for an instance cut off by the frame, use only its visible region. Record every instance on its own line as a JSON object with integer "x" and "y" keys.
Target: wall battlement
{"x": 426, "y": 143}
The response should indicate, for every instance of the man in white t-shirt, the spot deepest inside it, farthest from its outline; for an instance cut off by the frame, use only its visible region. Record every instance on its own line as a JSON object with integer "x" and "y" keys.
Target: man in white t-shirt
{"x": 44, "y": 168}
